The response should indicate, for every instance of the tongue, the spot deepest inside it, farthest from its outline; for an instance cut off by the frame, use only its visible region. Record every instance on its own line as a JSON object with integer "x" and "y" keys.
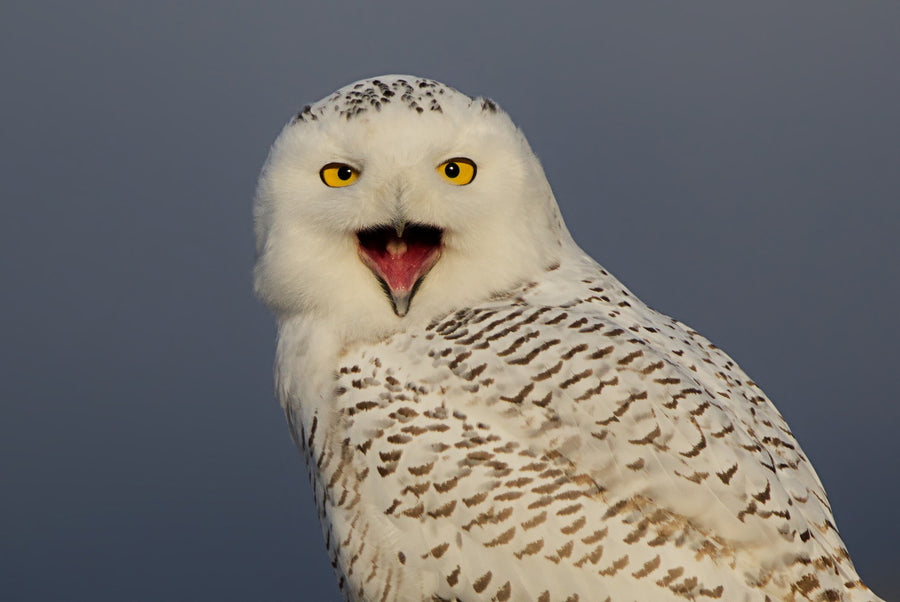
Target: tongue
{"x": 401, "y": 264}
{"x": 400, "y": 261}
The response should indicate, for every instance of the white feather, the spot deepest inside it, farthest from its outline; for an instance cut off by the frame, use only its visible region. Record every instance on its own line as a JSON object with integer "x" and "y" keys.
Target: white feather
{"x": 552, "y": 439}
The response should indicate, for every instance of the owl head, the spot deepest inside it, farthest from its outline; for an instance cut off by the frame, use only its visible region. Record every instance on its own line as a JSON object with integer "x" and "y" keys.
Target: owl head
{"x": 398, "y": 199}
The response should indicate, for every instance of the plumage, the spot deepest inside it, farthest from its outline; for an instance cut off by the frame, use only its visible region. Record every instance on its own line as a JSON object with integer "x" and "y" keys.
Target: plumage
{"x": 487, "y": 413}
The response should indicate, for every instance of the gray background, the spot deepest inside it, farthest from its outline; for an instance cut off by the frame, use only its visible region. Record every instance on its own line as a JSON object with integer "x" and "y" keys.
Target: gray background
{"x": 736, "y": 166}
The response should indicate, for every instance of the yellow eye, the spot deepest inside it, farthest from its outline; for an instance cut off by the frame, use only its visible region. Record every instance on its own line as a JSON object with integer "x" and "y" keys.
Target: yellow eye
{"x": 459, "y": 171}
{"x": 336, "y": 175}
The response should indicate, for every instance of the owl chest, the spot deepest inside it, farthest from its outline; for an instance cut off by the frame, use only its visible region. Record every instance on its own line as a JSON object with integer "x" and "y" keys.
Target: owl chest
{"x": 385, "y": 486}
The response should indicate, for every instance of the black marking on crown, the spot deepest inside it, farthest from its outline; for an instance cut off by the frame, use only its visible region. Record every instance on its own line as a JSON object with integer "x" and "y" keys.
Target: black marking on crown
{"x": 305, "y": 114}
{"x": 489, "y": 105}
{"x": 374, "y": 94}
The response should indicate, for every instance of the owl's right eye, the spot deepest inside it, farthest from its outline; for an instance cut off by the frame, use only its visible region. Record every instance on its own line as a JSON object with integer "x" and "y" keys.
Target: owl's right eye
{"x": 336, "y": 175}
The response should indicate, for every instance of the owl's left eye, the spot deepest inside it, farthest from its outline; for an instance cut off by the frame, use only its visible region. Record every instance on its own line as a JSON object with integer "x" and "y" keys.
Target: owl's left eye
{"x": 459, "y": 171}
{"x": 336, "y": 175}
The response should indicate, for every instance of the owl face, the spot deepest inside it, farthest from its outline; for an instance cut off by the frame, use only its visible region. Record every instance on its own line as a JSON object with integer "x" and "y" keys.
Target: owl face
{"x": 385, "y": 193}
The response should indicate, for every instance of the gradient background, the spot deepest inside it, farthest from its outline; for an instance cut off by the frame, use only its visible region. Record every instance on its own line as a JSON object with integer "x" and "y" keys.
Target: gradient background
{"x": 738, "y": 168}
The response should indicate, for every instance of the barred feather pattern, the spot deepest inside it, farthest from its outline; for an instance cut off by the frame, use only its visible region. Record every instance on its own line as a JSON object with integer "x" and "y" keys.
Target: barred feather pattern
{"x": 565, "y": 442}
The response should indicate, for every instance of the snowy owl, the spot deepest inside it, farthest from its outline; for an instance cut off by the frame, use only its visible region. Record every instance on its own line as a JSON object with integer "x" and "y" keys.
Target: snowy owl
{"x": 488, "y": 414}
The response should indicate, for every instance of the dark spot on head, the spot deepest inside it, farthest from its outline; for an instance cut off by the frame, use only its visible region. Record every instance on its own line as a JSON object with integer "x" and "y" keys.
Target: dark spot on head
{"x": 304, "y": 113}
{"x": 488, "y": 105}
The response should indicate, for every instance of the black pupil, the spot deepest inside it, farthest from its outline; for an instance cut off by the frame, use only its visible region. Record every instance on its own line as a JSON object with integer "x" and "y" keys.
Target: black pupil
{"x": 452, "y": 170}
{"x": 344, "y": 172}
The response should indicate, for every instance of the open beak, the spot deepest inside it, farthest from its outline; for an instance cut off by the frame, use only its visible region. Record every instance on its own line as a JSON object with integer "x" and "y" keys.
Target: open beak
{"x": 400, "y": 256}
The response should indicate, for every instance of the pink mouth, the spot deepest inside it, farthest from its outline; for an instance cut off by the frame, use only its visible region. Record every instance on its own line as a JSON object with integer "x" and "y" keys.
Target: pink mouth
{"x": 400, "y": 261}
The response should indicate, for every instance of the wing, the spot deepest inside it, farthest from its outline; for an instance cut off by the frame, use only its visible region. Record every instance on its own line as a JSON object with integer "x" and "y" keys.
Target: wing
{"x": 543, "y": 452}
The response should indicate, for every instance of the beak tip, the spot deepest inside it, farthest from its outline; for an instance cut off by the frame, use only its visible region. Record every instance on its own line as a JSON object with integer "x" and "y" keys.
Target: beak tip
{"x": 400, "y": 303}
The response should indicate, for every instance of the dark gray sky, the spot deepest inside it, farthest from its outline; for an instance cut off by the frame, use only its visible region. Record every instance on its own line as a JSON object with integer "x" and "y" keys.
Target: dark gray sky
{"x": 753, "y": 152}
